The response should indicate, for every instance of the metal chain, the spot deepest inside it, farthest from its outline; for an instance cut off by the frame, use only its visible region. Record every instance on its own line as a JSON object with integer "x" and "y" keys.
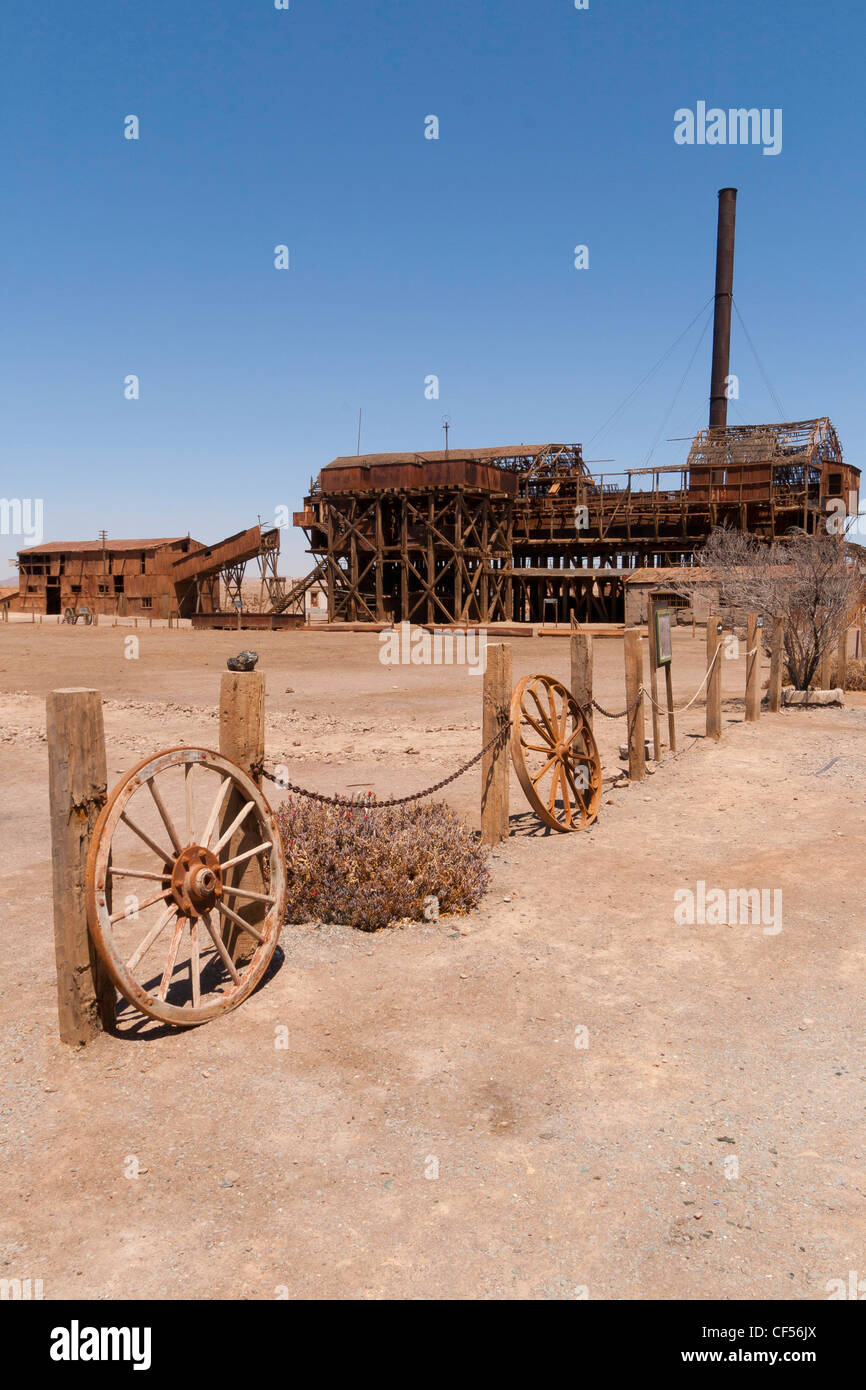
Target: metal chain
{"x": 608, "y": 714}
{"x": 372, "y": 804}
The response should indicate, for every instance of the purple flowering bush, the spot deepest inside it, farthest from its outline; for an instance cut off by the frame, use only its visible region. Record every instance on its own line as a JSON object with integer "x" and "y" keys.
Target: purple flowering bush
{"x": 367, "y": 868}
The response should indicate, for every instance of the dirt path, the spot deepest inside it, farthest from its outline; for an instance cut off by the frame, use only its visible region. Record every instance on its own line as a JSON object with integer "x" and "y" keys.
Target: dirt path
{"x": 432, "y": 1130}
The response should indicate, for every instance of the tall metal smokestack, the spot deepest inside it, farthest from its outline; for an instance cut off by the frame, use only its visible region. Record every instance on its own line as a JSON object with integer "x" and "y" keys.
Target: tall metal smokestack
{"x": 724, "y": 299}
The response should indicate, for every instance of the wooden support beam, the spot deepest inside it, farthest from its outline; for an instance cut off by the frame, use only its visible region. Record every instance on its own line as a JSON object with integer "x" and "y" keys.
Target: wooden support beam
{"x": 242, "y": 741}
{"x": 635, "y": 717}
{"x": 842, "y": 661}
{"x": 753, "y": 669}
{"x": 581, "y": 672}
{"x": 496, "y": 763}
{"x": 77, "y": 787}
{"x": 777, "y": 666}
{"x": 825, "y": 676}
{"x": 654, "y": 686}
{"x": 714, "y": 681}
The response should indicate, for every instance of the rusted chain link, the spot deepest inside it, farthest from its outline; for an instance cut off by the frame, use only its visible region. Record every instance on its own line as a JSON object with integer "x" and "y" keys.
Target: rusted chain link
{"x": 368, "y": 800}
{"x": 608, "y": 714}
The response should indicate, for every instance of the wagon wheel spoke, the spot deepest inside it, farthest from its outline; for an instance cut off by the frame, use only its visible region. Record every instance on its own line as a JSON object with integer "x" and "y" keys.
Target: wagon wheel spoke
{"x": 239, "y": 921}
{"x": 538, "y": 776}
{"x": 147, "y": 941}
{"x": 238, "y": 820}
{"x": 247, "y": 893}
{"x": 189, "y": 803}
{"x": 554, "y": 717}
{"x": 569, "y": 772}
{"x": 138, "y": 873}
{"x": 145, "y": 902}
{"x": 214, "y": 811}
{"x": 563, "y": 781}
{"x": 194, "y": 963}
{"x": 172, "y": 958}
{"x": 220, "y": 945}
{"x": 143, "y": 835}
{"x": 537, "y": 747}
{"x": 538, "y": 729}
{"x": 551, "y": 732}
{"x": 166, "y": 818}
{"x": 247, "y": 854}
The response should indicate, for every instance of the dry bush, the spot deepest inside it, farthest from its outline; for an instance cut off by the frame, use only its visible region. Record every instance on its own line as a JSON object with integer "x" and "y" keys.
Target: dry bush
{"x": 856, "y": 674}
{"x": 368, "y": 868}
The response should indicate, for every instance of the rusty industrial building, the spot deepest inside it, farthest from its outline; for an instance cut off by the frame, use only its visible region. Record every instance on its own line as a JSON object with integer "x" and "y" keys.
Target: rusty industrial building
{"x": 526, "y": 533}
{"x": 173, "y": 577}
{"x": 518, "y": 534}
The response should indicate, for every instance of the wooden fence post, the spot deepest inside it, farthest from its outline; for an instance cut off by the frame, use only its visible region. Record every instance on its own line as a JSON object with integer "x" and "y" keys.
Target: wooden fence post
{"x": 777, "y": 665}
{"x": 242, "y": 740}
{"x": 842, "y": 661}
{"x": 495, "y": 765}
{"x": 635, "y": 717}
{"x": 654, "y": 683}
{"x": 754, "y": 635}
{"x": 825, "y": 670}
{"x": 714, "y": 681}
{"x": 77, "y": 786}
{"x": 581, "y": 672}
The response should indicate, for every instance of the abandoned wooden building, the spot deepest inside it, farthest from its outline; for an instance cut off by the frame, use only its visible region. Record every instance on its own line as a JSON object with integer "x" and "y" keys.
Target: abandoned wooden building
{"x": 162, "y": 578}
{"x": 527, "y": 534}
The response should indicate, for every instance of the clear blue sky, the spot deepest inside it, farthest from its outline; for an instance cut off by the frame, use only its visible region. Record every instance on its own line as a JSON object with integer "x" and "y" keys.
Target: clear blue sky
{"x": 408, "y": 256}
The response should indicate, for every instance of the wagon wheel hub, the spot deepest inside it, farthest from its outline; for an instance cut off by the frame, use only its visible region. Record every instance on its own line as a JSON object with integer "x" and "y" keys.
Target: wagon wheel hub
{"x": 196, "y": 880}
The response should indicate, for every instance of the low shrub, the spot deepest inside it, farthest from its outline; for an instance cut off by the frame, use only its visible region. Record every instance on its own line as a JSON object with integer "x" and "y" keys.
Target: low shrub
{"x": 855, "y": 675}
{"x": 368, "y": 868}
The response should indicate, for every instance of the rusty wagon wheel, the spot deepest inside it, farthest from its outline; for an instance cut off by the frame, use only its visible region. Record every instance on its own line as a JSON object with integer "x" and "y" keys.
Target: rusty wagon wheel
{"x": 195, "y": 835}
{"x": 554, "y": 753}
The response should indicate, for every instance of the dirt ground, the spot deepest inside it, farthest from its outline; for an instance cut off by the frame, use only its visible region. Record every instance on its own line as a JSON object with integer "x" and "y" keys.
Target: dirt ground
{"x": 433, "y": 1130}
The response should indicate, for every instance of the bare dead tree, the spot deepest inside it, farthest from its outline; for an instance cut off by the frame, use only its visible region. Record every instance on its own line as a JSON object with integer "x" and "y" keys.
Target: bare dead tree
{"x": 813, "y": 582}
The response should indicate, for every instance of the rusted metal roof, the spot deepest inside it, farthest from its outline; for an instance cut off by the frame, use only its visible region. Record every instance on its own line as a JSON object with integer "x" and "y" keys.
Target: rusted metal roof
{"x": 667, "y": 574}
{"x": 67, "y": 547}
{"x": 439, "y": 456}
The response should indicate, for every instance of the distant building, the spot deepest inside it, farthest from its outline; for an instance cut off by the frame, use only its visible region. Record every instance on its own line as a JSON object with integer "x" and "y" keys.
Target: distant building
{"x": 120, "y": 577}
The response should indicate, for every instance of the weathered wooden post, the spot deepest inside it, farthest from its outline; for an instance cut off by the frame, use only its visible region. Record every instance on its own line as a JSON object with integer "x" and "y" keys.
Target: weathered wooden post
{"x": 633, "y": 697}
{"x": 672, "y": 718}
{"x": 754, "y": 633}
{"x": 77, "y": 786}
{"x": 495, "y": 765}
{"x": 825, "y": 670}
{"x": 581, "y": 672}
{"x": 714, "y": 680}
{"x": 777, "y": 665}
{"x": 242, "y": 740}
{"x": 842, "y": 661}
{"x": 654, "y": 683}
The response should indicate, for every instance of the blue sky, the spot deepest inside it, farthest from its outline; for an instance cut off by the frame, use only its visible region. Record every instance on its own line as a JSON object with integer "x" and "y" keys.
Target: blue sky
{"x": 408, "y": 256}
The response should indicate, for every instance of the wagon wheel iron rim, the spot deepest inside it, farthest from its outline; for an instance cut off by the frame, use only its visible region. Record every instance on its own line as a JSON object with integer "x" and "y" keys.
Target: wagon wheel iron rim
{"x": 194, "y": 835}
{"x": 555, "y": 754}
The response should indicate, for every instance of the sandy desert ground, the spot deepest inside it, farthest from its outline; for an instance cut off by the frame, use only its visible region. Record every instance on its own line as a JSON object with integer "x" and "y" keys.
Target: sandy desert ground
{"x": 432, "y": 1130}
